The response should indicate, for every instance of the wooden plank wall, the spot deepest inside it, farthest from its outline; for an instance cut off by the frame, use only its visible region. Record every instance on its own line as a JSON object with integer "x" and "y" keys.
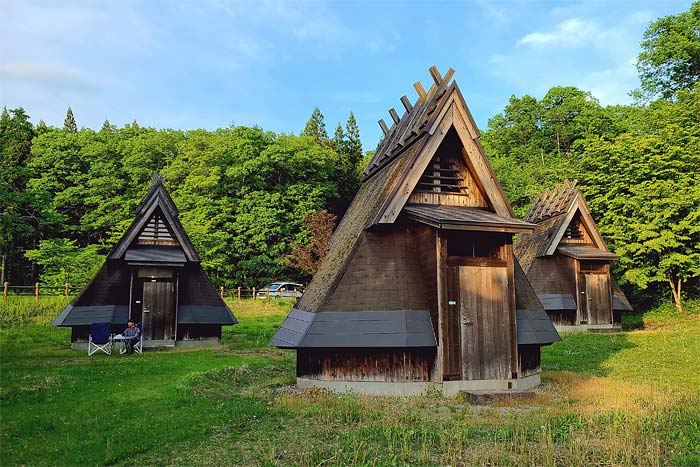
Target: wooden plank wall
{"x": 528, "y": 360}
{"x": 425, "y": 239}
{"x": 398, "y": 365}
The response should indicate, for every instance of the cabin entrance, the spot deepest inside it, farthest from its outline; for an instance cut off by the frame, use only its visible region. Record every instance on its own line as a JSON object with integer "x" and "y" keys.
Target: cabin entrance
{"x": 153, "y": 302}
{"x": 476, "y": 328}
{"x": 598, "y": 306}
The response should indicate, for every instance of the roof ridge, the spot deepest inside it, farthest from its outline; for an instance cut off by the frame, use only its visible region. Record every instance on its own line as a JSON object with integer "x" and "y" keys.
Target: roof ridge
{"x": 412, "y": 124}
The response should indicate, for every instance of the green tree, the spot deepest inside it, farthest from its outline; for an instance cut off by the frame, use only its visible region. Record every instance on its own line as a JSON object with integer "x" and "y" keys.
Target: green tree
{"x": 316, "y": 127}
{"x": 69, "y": 125}
{"x": 20, "y": 212}
{"x": 62, "y": 262}
{"x": 644, "y": 186}
{"x": 41, "y": 128}
{"x": 352, "y": 138}
{"x": 670, "y": 57}
{"x": 338, "y": 142}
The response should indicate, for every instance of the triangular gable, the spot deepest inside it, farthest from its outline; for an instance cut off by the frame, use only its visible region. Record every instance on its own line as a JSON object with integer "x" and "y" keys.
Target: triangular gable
{"x": 156, "y": 202}
{"x": 578, "y": 205}
{"x": 453, "y": 114}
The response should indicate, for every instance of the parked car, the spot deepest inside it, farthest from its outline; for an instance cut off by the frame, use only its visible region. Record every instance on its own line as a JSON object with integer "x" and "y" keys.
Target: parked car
{"x": 281, "y": 290}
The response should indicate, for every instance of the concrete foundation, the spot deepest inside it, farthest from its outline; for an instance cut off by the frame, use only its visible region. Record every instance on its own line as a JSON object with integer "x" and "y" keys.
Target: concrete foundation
{"x": 447, "y": 388}
{"x": 83, "y": 345}
{"x": 589, "y": 327}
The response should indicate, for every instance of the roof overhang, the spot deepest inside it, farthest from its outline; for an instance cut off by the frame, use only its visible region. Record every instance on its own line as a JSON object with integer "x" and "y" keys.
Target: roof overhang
{"x": 355, "y": 329}
{"x": 586, "y": 252}
{"x": 464, "y": 218}
{"x": 535, "y": 328}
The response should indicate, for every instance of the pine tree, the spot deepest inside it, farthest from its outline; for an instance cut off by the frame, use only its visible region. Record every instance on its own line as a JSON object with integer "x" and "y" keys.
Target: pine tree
{"x": 352, "y": 140}
{"x": 106, "y": 126}
{"x": 316, "y": 127}
{"x": 69, "y": 125}
{"x": 41, "y": 128}
{"x": 338, "y": 141}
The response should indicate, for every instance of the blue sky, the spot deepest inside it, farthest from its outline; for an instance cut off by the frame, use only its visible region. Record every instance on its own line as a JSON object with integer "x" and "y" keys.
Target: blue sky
{"x": 208, "y": 64}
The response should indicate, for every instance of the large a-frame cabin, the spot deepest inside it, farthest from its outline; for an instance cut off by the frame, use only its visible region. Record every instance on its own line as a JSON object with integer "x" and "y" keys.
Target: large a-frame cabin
{"x": 419, "y": 289}
{"x": 153, "y": 276}
{"x": 568, "y": 263}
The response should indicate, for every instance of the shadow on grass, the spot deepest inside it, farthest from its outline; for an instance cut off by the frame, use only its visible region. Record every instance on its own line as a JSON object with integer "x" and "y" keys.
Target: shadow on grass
{"x": 584, "y": 352}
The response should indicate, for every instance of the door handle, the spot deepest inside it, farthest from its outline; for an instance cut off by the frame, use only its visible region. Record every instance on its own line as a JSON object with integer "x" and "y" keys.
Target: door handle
{"x": 146, "y": 310}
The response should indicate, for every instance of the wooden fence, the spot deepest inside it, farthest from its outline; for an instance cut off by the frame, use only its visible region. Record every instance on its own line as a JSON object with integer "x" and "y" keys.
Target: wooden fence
{"x": 238, "y": 293}
{"x": 37, "y": 290}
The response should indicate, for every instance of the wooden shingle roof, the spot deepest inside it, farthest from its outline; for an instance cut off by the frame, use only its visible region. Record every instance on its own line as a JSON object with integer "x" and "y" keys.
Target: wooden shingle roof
{"x": 552, "y": 212}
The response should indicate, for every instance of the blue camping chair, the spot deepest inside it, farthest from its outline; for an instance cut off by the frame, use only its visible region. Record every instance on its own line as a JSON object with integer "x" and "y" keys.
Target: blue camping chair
{"x": 100, "y": 338}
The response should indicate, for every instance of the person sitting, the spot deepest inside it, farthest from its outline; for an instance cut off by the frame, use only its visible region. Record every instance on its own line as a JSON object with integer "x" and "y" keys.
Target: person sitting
{"x": 133, "y": 333}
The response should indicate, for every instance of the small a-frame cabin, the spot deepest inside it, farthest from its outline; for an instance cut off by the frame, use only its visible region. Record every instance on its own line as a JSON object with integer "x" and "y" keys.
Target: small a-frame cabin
{"x": 568, "y": 263}
{"x": 153, "y": 276}
{"x": 419, "y": 289}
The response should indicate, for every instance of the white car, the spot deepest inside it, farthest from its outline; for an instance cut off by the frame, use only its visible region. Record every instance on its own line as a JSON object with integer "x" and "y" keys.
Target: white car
{"x": 281, "y": 290}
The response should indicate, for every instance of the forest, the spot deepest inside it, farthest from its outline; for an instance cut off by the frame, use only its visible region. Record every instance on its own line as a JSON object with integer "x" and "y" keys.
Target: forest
{"x": 260, "y": 206}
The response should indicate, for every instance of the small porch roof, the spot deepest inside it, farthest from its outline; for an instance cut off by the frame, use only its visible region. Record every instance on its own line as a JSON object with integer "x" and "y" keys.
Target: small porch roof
{"x": 155, "y": 255}
{"x": 464, "y": 218}
{"x": 586, "y": 252}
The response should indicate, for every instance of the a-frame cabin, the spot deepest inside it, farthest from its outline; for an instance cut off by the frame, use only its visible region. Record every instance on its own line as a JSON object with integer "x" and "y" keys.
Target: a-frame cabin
{"x": 419, "y": 288}
{"x": 568, "y": 263}
{"x": 153, "y": 276}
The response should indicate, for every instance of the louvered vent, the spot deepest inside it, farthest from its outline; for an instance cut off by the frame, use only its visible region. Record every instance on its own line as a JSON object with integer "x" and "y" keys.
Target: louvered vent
{"x": 156, "y": 232}
{"x": 441, "y": 178}
{"x": 573, "y": 231}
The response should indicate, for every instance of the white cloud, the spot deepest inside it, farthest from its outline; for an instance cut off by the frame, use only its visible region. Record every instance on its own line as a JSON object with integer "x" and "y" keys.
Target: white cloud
{"x": 570, "y": 33}
{"x": 49, "y": 74}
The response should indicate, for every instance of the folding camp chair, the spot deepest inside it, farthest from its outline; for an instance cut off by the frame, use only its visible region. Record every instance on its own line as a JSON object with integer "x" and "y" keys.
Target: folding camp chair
{"x": 138, "y": 347}
{"x": 100, "y": 338}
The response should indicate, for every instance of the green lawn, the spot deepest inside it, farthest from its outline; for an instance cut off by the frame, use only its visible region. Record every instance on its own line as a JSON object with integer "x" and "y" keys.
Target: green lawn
{"x": 609, "y": 399}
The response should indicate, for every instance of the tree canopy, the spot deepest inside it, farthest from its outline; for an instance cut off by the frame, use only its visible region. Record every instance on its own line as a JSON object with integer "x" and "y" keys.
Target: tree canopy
{"x": 670, "y": 57}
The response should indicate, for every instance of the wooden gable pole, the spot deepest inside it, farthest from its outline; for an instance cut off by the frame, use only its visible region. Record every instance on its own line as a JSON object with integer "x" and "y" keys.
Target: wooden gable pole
{"x": 394, "y": 116}
{"x": 383, "y": 126}
{"x": 420, "y": 90}
{"x": 406, "y": 103}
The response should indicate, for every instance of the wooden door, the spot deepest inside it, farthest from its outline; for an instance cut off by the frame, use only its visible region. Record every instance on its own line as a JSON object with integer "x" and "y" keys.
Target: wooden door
{"x": 477, "y": 328}
{"x": 158, "y": 310}
{"x": 598, "y": 299}
{"x": 485, "y": 322}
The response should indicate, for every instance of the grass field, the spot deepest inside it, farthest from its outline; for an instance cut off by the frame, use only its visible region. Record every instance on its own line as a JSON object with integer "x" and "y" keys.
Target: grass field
{"x": 622, "y": 399}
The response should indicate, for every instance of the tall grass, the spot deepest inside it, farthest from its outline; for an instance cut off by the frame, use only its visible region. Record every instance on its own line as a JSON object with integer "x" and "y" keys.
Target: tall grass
{"x": 19, "y": 309}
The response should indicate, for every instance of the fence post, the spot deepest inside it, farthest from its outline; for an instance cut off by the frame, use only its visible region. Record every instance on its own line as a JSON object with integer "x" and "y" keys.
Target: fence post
{"x": 253, "y": 293}
{"x": 267, "y": 293}
{"x": 5, "y": 286}
{"x": 67, "y": 289}
{"x": 36, "y": 291}
{"x": 295, "y": 293}
{"x": 221, "y": 291}
{"x": 239, "y": 292}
